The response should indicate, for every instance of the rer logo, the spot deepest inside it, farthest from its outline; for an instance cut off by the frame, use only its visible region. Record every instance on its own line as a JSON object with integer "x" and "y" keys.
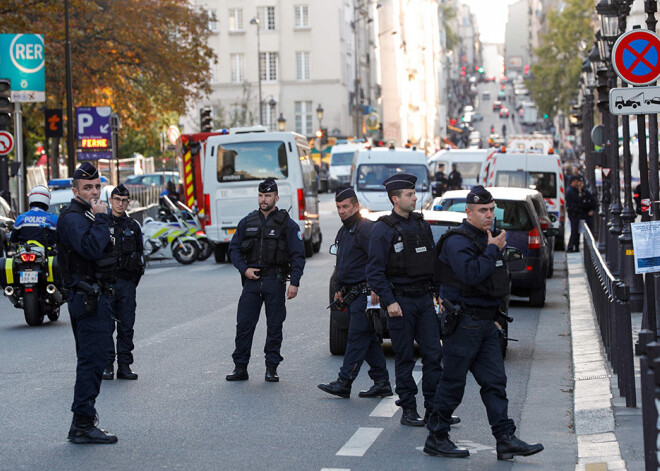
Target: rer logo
{"x": 23, "y": 62}
{"x": 27, "y": 53}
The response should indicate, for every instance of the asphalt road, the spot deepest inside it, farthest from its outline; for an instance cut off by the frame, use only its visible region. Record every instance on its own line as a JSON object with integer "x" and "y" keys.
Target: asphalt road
{"x": 182, "y": 414}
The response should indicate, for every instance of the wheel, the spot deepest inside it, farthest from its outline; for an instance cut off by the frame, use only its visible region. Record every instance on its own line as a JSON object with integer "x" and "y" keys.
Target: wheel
{"x": 220, "y": 253}
{"x": 34, "y": 314}
{"x": 559, "y": 242}
{"x": 537, "y": 297}
{"x": 551, "y": 267}
{"x": 206, "y": 249}
{"x": 309, "y": 248}
{"x": 185, "y": 252}
{"x": 338, "y": 337}
{"x": 634, "y": 105}
{"x": 317, "y": 246}
{"x": 619, "y": 106}
{"x": 54, "y": 314}
{"x": 648, "y": 102}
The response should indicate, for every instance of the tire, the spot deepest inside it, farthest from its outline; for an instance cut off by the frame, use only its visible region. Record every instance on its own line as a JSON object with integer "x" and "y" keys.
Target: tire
{"x": 551, "y": 267}
{"x": 537, "y": 297}
{"x": 206, "y": 249}
{"x": 54, "y": 314}
{"x": 317, "y": 246}
{"x": 338, "y": 338}
{"x": 185, "y": 252}
{"x": 309, "y": 248}
{"x": 34, "y": 314}
{"x": 559, "y": 243}
{"x": 220, "y": 253}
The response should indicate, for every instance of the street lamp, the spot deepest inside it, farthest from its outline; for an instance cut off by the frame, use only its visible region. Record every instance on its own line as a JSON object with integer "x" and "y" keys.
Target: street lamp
{"x": 271, "y": 115}
{"x": 281, "y": 122}
{"x": 255, "y": 21}
{"x": 319, "y": 114}
{"x": 587, "y": 119}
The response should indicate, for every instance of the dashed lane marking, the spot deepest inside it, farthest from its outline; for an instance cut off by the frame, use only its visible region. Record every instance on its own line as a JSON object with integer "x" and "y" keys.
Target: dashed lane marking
{"x": 387, "y": 406}
{"x": 360, "y": 442}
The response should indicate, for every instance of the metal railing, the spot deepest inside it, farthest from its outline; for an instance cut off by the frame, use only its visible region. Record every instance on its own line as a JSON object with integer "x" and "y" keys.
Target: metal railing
{"x": 611, "y": 299}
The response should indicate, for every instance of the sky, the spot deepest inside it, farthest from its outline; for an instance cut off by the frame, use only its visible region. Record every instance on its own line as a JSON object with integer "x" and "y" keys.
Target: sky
{"x": 491, "y": 18}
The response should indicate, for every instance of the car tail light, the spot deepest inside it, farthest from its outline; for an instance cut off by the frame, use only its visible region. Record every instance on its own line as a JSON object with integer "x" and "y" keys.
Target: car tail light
{"x": 534, "y": 240}
{"x": 207, "y": 208}
{"x": 301, "y": 204}
{"x": 545, "y": 223}
{"x": 28, "y": 257}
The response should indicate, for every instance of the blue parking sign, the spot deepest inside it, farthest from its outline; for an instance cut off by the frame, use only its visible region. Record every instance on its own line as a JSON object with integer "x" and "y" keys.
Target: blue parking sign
{"x": 23, "y": 61}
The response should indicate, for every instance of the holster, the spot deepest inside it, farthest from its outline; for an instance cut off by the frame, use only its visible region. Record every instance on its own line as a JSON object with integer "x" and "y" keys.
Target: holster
{"x": 91, "y": 295}
{"x": 373, "y": 318}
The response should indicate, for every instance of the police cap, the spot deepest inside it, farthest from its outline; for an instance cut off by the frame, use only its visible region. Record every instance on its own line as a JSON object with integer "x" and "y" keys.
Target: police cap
{"x": 268, "y": 186}
{"x": 86, "y": 171}
{"x": 343, "y": 193}
{"x": 120, "y": 190}
{"x": 400, "y": 181}
{"x": 479, "y": 195}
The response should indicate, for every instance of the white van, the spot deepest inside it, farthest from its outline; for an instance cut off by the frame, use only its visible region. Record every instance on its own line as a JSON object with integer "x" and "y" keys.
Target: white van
{"x": 371, "y": 167}
{"x": 234, "y": 165}
{"x": 341, "y": 158}
{"x": 468, "y": 161}
{"x": 540, "y": 172}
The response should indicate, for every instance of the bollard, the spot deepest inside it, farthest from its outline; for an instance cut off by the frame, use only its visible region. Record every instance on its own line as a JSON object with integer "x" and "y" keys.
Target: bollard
{"x": 646, "y": 338}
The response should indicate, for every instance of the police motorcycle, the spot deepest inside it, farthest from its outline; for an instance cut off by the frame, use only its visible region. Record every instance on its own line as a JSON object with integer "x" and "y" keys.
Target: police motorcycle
{"x": 31, "y": 281}
{"x": 169, "y": 239}
{"x": 189, "y": 220}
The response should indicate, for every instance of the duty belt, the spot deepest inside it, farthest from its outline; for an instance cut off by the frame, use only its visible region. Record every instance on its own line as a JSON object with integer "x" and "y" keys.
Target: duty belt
{"x": 362, "y": 288}
{"x": 480, "y": 313}
{"x": 410, "y": 290}
{"x": 266, "y": 271}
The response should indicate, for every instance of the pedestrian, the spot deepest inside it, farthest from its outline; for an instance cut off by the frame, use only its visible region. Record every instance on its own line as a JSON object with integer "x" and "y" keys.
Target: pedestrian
{"x": 455, "y": 178}
{"x": 37, "y": 223}
{"x": 473, "y": 275}
{"x": 130, "y": 268}
{"x": 400, "y": 272}
{"x": 441, "y": 182}
{"x": 266, "y": 249}
{"x": 363, "y": 344}
{"x": 574, "y": 214}
{"x": 88, "y": 263}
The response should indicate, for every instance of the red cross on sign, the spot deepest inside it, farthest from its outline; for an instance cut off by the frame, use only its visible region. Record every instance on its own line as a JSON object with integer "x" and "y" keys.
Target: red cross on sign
{"x": 6, "y": 142}
{"x": 636, "y": 57}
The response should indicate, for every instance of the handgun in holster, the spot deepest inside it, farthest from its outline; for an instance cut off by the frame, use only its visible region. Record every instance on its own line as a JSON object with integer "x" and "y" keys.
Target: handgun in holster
{"x": 91, "y": 295}
{"x": 448, "y": 319}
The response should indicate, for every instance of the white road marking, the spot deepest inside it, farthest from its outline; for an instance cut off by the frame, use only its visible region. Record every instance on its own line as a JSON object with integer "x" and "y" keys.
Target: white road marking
{"x": 387, "y": 406}
{"x": 360, "y": 442}
{"x": 335, "y": 469}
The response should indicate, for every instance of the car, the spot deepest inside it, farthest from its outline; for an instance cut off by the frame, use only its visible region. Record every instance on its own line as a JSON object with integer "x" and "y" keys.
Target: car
{"x": 522, "y": 213}
{"x": 153, "y": 179}
{"x": 501, "y": 95}
{"x": 497, "y": 105}
{"x": 655, "y": 100}
{"x": 63, "y": 196}
{"x": 485, "y": 95}
{"x": 468, "y": 109}
{"x": 7, "y": 219}
{"x": 504, "y": 112}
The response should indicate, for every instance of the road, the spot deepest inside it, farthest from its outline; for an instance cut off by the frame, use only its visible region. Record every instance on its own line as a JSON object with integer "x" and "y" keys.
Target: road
{"x": 492, "y": 118}
{"x": 182, "y": 414}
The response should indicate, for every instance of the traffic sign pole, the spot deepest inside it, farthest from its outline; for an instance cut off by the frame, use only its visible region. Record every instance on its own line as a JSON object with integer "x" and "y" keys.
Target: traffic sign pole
{"x": 18, "y": 144}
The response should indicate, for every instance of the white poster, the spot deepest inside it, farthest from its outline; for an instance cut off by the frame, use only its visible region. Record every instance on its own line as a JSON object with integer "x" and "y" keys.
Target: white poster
{"x": 646, "y": 245}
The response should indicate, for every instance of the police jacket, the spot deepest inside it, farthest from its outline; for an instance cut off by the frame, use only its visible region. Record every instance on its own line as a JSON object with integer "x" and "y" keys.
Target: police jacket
{"x": 387, "y": 245}
{"x": 586, "y": 203}
{"x": 471, "y": 270}
{"x": 573, "y": 201}
{"x": 352, "y": 250}
{"x": 128, "y": 247}
{"x": 275, "y": 242}
{"x": 85, "y": 248}
{"x": 35, "y": 224}
{"x": 455, "y": 179}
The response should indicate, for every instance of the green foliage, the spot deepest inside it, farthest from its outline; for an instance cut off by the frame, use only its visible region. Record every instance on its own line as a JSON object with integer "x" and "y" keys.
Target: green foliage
{"x": 451, "y": 36}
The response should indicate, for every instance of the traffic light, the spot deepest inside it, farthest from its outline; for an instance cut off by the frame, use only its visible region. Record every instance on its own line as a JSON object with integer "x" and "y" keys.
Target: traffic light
{"x": 6, "y": 106}
{"x": 205, "y": 120}
{"x": 527, "y": 69}
{"x": 463, "y": 70}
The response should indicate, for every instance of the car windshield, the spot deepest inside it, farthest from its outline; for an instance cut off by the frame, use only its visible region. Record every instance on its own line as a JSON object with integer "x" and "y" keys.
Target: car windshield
{"x": 468, "y": 169}
{"x": 243, "y": 161}
{"x": 545, "y": 182}
{"x": 370, "y": 177}
{"x": 510, "y": 215}
{"x": 439, "y": 228}
{"x": 133, "y": 180}
{"x": 341, "y": 158}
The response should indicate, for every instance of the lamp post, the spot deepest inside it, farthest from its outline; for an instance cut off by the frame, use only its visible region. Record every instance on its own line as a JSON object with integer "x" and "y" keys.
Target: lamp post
{"x": 271, "y": 108}
{"x": 281, "y": 122}
{"x": 588, "y": 122}
{"x": 603, "y": 104}
{"x": 70, "y": 142}
{"x": 319, "y": 114}
{"x": 255, "y": 21}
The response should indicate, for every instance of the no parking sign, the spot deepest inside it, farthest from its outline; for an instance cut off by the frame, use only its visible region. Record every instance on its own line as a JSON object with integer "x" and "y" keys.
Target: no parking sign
{"x": 636, "y": 57}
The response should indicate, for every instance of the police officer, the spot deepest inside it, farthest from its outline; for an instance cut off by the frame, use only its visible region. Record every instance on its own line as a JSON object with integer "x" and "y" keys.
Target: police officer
{"x": 474, "y": 275}
{"x": 574, "y": 213}
{"x": 455, "y": 178}
{"x": 130, "y": 268}
{"x": 400, "y": 272}
{"x": 88, "y": 263}
{"x": 266, "y": 248}
{"x": 37, "y": 223}
{"x": 363, "y": 343}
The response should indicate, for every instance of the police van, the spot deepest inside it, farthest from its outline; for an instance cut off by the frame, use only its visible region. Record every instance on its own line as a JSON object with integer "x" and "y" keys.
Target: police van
{"x": 233, "y": 166}
{"x": 469, "y": 162}
{"x": 341, "y": 158}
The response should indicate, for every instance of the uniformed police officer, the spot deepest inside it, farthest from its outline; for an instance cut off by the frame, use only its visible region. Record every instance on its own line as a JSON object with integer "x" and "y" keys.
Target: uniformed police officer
{"x": 474, "y": 275}
{"x": 88, "y": 263}
{"x": 130, "y": 268}
{"x": 37, "y": 223}
{"x": 400, "y": 272}
{"x": 363, "y": 343}
{"x": 266, "y": 248}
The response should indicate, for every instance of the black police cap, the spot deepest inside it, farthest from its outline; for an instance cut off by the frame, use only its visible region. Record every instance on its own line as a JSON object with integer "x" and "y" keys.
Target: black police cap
{"x": 268, "y": 186}
{"x": 343, "y": 193}
{"x": 400, "y": 181}
{"x": 479, "y": 195}
{"x": 86, "y": 171}
{"x": 120, "y": 190}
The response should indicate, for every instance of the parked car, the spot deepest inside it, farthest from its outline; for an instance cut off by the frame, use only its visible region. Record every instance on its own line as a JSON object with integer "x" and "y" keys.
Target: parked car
{"x": 522, "y": 213}
{"x": 497, "y": 104}
{"x": 504, "y": 112}
{"x": 152, "y": 179}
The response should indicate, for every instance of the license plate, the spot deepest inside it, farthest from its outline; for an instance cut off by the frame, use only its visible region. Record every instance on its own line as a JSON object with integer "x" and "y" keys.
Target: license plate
{"x": 230, "y": 231}
{"x": 29, "y": 277}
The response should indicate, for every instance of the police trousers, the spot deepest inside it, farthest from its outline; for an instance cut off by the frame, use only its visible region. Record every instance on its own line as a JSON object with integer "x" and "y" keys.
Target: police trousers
{"x": 574, "y": 239}
{"x": 123, "y": 309}
{"x": 418, "y": 323}
{"x": 268, "y": 290}
{"x": 363, "y": 345}
{"x": 92, "y": 334}
{"x": 474, "y": 346}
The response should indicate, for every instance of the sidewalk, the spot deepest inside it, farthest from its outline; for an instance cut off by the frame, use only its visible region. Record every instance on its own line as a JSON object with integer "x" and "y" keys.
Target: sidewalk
{"x": 609, "y": 435}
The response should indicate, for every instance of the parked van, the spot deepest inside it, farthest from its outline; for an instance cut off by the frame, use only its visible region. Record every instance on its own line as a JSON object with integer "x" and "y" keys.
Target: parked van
{"x": 540, "y": 172}
{"x": 468, "y": 161}
{"x": 371, "y": 167}
{"x": 234, "y": 165}
{"x": 341, "y": 158}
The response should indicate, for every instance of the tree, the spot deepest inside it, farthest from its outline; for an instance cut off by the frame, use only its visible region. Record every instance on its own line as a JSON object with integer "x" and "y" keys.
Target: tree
{"x": 555, "y": 76}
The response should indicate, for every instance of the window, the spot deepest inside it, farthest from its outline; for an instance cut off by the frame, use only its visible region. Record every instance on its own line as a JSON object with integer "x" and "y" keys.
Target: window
{"x": 243, "y": 161}
{"x": 370, "y": 177}
{"x": 266, "y": 17}
{"x": 301, "y": 16}
{"x": 545, "y": 182}
{"x": 213, "y": 21}
{"x": 237, "y": 67}
{"x": 236, "y": 19}
{"x": 303, "y": 111}
{"x": 268, "y": 66}
{"x": 302, "y": 65}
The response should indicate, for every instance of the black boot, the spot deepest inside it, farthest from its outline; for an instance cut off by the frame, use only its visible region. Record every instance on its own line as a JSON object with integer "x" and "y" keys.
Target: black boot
{"x": 341, "y": 388}
{"x": 454, "y": 419}
{"x": 124, "y": 372}
{"x": 240, "y": 374}
{"x": 83, "y": 430}
{"x": 411, "y": 418}
{"x": 440, "y": 445}
{"x": 271, "y": 374}
{"x": 509, "y": 446}
{"x": 109, "y": 372}
{"x": 381, "y": 388}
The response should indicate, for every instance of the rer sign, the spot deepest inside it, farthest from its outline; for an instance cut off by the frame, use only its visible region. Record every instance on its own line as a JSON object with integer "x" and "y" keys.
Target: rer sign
{"x": 23, "y": 61}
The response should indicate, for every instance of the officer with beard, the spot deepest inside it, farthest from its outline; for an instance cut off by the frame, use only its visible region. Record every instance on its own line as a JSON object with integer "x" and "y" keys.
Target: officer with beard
{"x": 266, "y": 249}
{"x": 363, "y": 343}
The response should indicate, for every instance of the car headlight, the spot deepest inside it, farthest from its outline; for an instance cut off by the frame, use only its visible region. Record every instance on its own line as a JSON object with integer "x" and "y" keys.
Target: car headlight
{"x": 364, "y": 212}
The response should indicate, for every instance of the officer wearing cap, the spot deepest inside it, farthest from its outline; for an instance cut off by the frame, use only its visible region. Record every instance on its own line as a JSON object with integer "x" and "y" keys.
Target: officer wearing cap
{"x": 363, "y": 344}
{"x": 473, "y": 275}
{"x": 87, "y": 260}
{"x": 267, "y": 249}
{"x": 130, "y": 268}
{"x": 400, "y": 272}
{"x": 574, "y": 211}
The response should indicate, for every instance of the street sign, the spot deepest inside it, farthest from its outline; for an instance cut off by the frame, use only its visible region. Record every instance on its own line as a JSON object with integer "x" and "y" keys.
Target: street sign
{"x": 6, "y": 142}
{"x": 94, "y": 133}
{"x": 373, "y": 121}
{"x": 636, "y": 100}
{"x": 597, "y": 135}
{"x": 54, "y": 127}
{"x": 606, "y": 172}
{"x": 636, "y": 57}
{"x": 23, "y": 61}
{"x": 173, "y": 134}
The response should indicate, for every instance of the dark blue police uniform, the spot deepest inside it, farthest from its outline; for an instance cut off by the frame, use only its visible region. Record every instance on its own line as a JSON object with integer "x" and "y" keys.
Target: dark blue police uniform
{"x": 574, "y": 213}
{"x": 274, "y": 245}
{"x": 410, "y": 241}
{"x": 35, "y": 224}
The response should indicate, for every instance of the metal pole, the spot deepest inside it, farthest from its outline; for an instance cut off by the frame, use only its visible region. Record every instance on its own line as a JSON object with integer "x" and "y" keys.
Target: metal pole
{"x": 643, "y": 163}
{"x": 588, "y": 119}
{"x": 615, "y": 205}
{"x": 261, "y": 111}
{"x": 356, "y": 89}
{"x": 18, "y": 138}
{"x": 71, "y": 147}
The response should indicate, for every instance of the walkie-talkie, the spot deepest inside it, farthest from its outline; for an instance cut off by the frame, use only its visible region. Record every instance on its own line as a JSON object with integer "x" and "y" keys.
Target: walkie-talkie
{"x": 494, "y": 230}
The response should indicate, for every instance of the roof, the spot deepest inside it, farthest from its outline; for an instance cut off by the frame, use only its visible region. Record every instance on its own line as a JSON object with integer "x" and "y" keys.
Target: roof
{"x": 429, "y": 215}
{"x": 498, "y": 192}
